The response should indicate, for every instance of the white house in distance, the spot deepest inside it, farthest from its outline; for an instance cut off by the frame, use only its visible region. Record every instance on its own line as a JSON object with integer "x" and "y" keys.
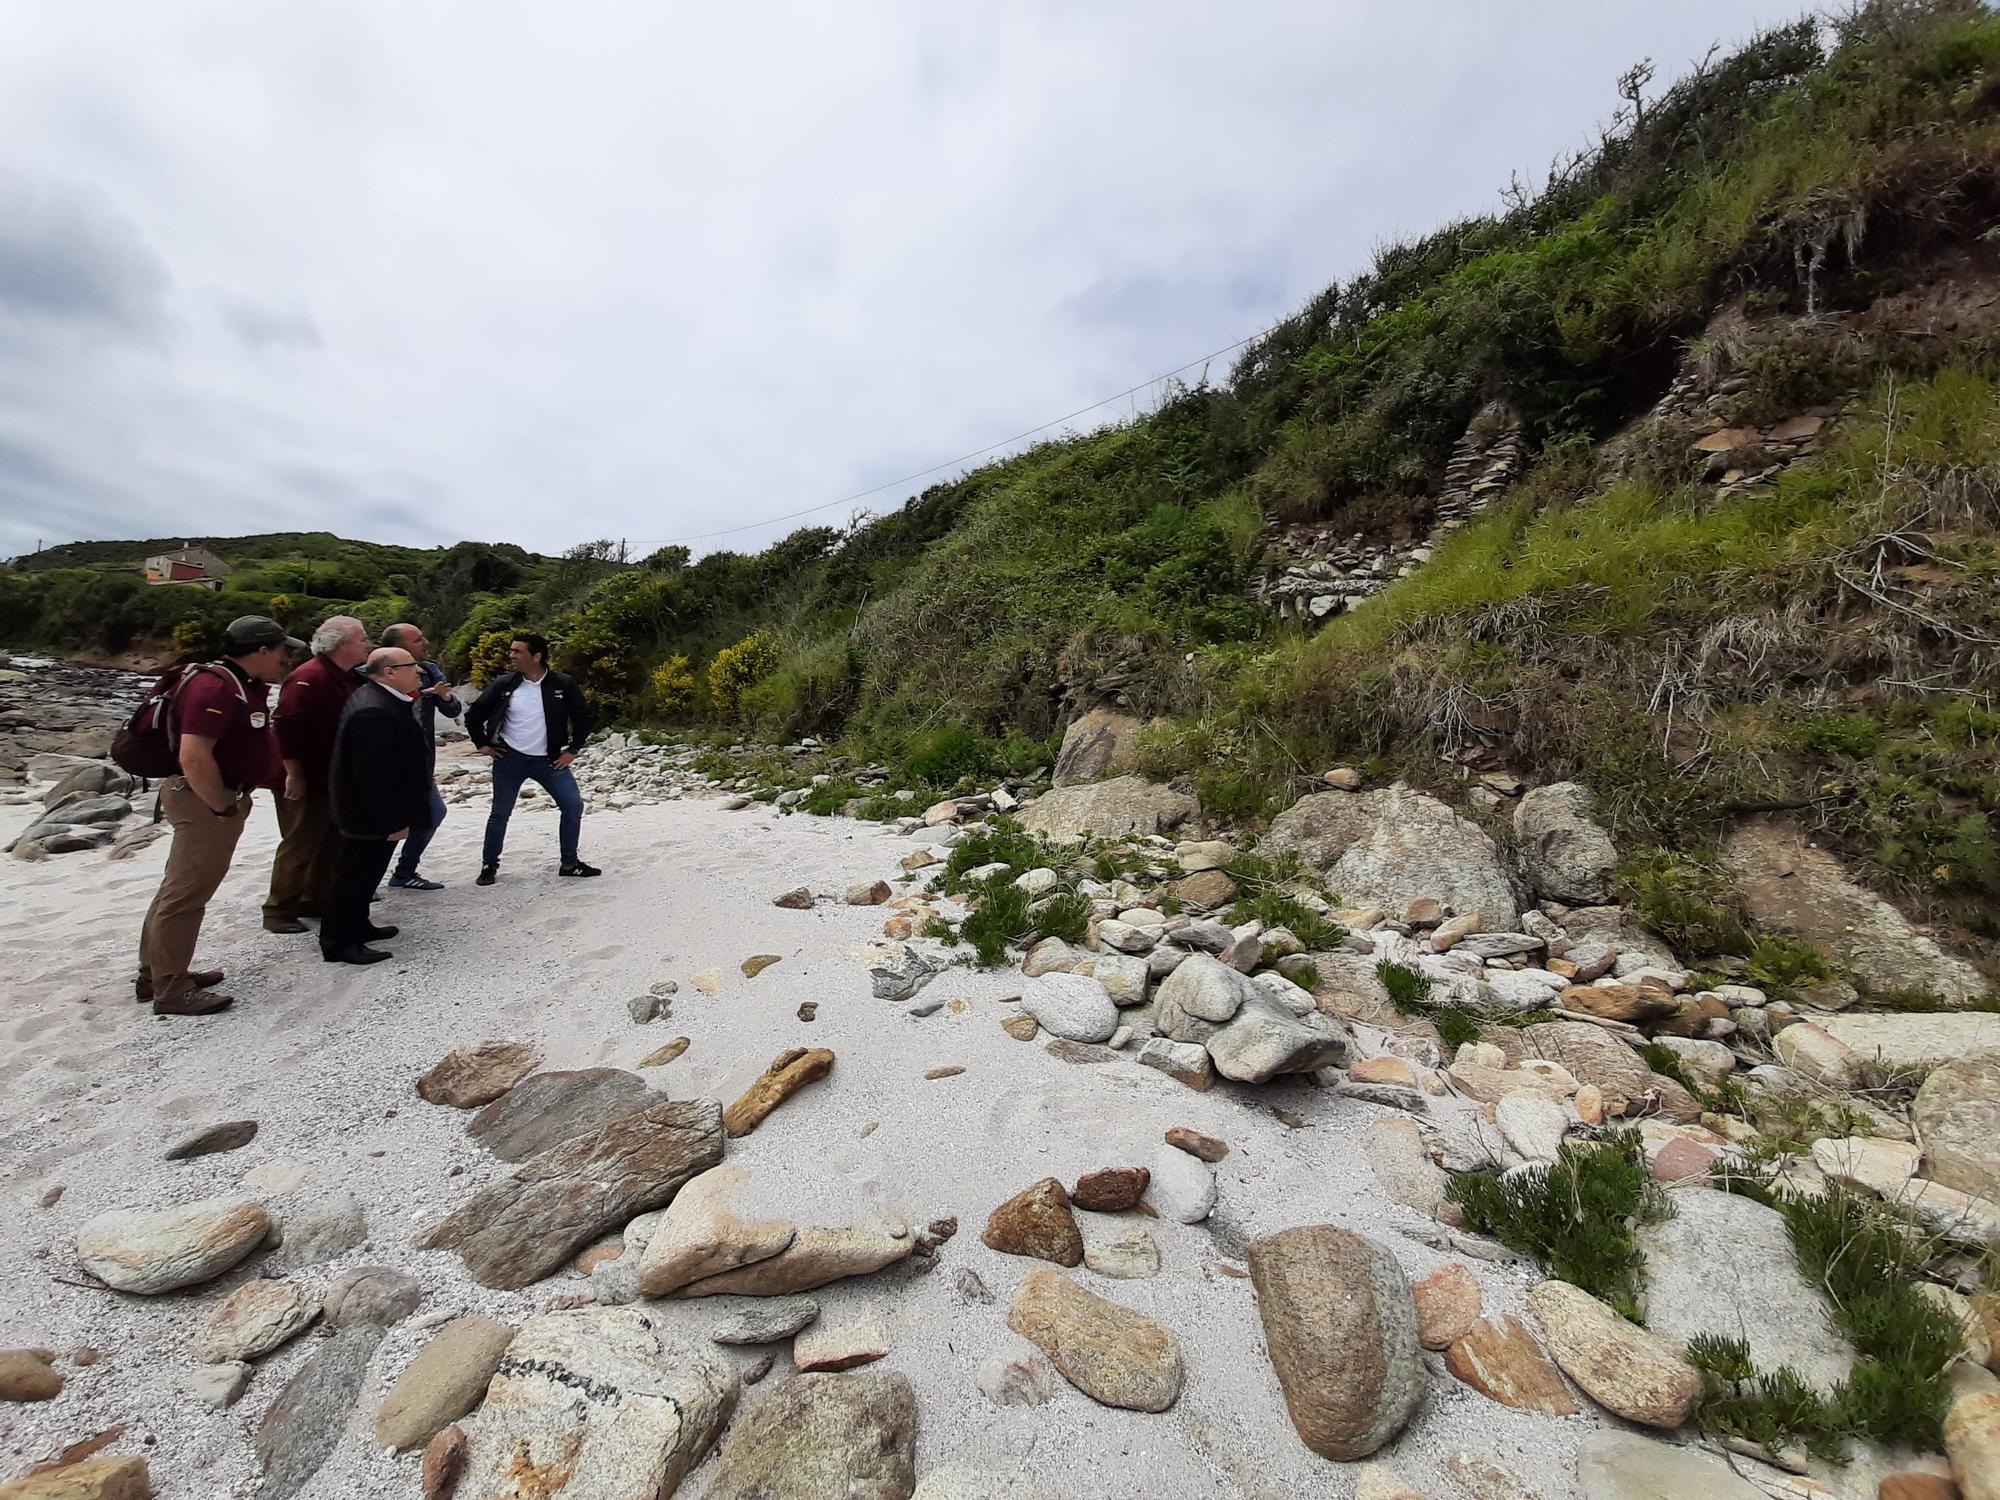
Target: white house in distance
{"x": 189, "y": 564}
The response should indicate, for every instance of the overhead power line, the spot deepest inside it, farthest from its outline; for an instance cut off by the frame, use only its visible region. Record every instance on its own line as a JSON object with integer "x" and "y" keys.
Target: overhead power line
{"x": 963, "y": 458}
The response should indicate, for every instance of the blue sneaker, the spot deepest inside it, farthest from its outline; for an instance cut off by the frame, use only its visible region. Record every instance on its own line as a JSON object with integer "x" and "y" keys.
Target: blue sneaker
{"x": 412, "y": 883}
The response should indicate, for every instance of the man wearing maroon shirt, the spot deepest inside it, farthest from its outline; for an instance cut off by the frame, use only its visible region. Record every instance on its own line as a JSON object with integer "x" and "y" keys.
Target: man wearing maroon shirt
{"x": 307, "y": 718}
{"x": 226, "y": 751}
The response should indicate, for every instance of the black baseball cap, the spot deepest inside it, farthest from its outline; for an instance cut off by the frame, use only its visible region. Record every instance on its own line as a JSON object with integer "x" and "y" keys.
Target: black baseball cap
{"x": 248, "y": 633}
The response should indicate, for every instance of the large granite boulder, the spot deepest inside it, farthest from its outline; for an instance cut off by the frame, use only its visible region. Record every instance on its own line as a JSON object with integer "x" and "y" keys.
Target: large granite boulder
{"x": 1395, "y": 845}
{"x": 1957, "y": 1119}
{"x": 1122, "y": 807}
{"x": 1566, "y": 855}
{"x": 1723, "y": 1264}
{"x": 1111, "y": 1353}
{"x": 1341, "y": 1325}
{"x": 1099, "y": 744}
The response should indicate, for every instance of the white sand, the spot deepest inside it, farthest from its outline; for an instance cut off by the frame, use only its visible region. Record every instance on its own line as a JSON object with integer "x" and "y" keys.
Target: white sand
{"x": 93, "y": 1089}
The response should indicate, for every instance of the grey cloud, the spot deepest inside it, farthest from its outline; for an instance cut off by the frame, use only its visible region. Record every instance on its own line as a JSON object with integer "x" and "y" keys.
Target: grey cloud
{"x": 65, "y": 255}
{"x": 262, "y": 325}
{"x": 510, "y": 281}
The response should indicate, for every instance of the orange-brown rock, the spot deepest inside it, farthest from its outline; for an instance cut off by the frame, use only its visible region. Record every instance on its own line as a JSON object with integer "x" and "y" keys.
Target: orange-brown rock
{"x": 1501, "y": 1359}
{"x": 1448, "y": 1304}
{"x": 1619, "y": 1002}
{"x": 1037, "y": 1221}
{"x": 1389, "y": 1070}
{"x": 1111, "y": 1190}
{"x": 1207, "y": 1147}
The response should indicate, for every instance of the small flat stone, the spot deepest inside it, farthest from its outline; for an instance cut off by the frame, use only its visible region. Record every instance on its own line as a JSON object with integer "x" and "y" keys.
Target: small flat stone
{"x": 936, "y": 1073}
{"x": 1133, "y": 1256}
{"x": 840, "y": 1346}
{"x": 1207, "y": 1147}
{"x": 255, "y": 1319}
{"x": 475, "y": 1076}
{"x": 1182, "y": 1185}
{"x": 1022, "y": 1028}
{"x": 231, "y": 1136}
{"x": 757, "y": 963}
{"x": 26, "y": 1376}
{"x": 1500, "y": 1358}
{"x": 765, "y": 1320}
{"x": 661, "y": 1056}
{"x": 1448, "y": 1304}
{"x": 798, "y": 900}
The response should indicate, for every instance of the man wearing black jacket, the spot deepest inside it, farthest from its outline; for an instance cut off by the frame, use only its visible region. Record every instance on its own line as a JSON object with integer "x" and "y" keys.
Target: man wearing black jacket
{"x": 381, "y": 789}
{"x": 530, "y": 724}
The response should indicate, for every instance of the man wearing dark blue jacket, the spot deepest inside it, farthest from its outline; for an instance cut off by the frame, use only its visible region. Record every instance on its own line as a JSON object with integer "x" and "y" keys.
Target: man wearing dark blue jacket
{"x": 531, "y": 723}
{"x": 434, "y": 697}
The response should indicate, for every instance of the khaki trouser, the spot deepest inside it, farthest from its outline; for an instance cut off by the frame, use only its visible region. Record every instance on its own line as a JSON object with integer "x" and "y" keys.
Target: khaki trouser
{"x": 302, "y": 873}
{"x": 199, "y": 858}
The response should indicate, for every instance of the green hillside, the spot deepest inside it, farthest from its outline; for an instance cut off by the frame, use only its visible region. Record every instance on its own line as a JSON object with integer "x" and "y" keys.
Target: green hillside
{"x": 1799, "y": 231}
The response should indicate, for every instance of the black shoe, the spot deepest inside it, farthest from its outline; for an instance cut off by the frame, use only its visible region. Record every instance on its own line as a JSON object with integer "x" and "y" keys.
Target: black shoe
{"x": 381, "y": 934}
{"x": 354, "y": 953}
{"x": 487, "y": 874}
{"x": 578, "y": 868}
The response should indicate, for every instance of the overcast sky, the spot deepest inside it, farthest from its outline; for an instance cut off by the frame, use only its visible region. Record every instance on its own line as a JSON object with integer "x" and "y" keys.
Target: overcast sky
{"x": 415, "y": 272}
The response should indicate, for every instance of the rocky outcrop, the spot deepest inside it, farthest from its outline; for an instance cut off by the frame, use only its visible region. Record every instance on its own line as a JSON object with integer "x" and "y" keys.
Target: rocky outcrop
{"x": 1567, "y": 856}
{"x": 1099, "y": 744}
{"x": 1957, "y": 1120}
{"x": 596, "y": 1402}
{"x": 1341, "y": 1326}
{"x": 1723, "y": 1264}
{"x": 1122, "y": 807}
{"x": 530, "y": 1224}
{"x": 1393, "y": 846}
{"x": 1791, "y": 886}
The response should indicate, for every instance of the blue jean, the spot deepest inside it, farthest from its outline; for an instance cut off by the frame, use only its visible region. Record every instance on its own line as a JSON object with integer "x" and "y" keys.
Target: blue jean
{"x": 420, "y": 839}
{"x": 509, "y": 771}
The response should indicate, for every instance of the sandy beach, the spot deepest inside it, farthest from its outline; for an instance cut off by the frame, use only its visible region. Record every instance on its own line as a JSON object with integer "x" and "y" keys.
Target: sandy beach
{"x": 325, "y": 1059}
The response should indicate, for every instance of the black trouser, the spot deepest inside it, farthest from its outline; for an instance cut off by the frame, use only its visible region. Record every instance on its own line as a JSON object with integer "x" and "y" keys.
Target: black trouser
{"x": 357, "y": 870}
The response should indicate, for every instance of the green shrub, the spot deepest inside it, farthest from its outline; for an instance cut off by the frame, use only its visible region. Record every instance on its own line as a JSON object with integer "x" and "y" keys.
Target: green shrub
{"x": 1409, "y": 991}
{"x": 674, "y": 687}
{"x": 738, "y": 667}
{"x": 1064, "y": 915}
{"x": 1000, "y": 918}
{"x": 1575, "y": 1216}
{"x": 1005, "y": 844}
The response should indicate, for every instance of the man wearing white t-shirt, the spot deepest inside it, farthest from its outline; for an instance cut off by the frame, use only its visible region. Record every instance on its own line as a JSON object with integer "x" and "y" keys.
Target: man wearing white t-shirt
{"x": 531, "y": 723}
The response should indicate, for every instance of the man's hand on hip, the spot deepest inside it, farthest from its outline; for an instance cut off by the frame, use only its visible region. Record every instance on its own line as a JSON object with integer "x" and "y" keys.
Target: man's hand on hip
{"x": 561, "y": 762}
{"x": 295, "y": 786}
{"x": 491, "y": 752}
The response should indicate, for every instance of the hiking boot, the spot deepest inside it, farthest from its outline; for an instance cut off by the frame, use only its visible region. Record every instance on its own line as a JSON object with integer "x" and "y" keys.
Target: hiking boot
{"x": 487, "y": 874}
{"x": 578, "y": 868}
{"x": 201, "y": 979}
{"x": 355, "y": 953}
{"x": 284, "y": 924}
{"x": 192, "y": 1002}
